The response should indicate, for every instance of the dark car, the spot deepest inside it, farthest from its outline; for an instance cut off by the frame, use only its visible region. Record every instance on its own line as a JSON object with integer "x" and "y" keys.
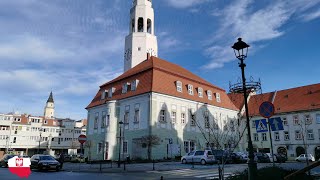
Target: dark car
{"x": 4, "y": 160}
{"x": 222, "y": 156}
{"x": 262, "y": 157}
{"x": 238, "y": 158}
{"x": 281, "y": 158}
{"x": 44, "y": 162}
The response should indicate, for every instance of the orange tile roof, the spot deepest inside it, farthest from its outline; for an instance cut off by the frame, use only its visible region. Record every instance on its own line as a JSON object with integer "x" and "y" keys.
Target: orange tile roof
{"x": 302, "y": 98}
{"x": 157, "y": 75}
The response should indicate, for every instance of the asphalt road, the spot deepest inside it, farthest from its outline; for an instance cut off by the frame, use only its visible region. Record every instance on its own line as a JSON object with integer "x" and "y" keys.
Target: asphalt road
{"x": 184, "y": 172}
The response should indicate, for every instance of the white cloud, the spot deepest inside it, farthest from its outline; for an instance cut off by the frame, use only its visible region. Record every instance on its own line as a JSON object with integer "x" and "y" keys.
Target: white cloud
{"x": 185, "y": 3}
{"x": 311, "y": 16}
{"x": 243, "y": 19}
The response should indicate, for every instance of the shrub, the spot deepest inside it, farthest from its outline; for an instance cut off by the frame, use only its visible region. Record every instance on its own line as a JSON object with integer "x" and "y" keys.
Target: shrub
{"x": 270, "y": 173}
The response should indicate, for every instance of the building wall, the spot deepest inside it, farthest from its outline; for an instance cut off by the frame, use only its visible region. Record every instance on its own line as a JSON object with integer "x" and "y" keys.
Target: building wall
{"x": 292, "y": 144}
{"x": 148, "y": 124}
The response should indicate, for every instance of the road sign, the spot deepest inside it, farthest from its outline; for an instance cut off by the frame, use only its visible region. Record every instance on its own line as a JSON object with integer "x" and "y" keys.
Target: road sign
{"x": 170, "y": 140}
{"x": 276, "y": 124}
{"x": 266, "y": 109}
{"x": 82, "y": 139}
{"x": 261, "y": 125}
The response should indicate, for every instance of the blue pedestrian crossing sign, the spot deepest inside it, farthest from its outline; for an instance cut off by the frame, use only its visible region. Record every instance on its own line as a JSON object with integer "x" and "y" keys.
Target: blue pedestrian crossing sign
{"x": 261, "y": 125}
{"x": 276, "y": 124}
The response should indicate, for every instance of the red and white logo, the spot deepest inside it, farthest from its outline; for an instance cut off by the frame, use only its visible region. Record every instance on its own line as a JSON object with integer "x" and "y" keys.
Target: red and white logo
{"x": 20, "y": 166}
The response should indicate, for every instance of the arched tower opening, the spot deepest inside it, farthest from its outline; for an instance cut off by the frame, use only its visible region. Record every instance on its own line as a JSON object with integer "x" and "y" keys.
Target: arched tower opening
{"x": 149, "y": 26}
{"x": 140, "y": 24}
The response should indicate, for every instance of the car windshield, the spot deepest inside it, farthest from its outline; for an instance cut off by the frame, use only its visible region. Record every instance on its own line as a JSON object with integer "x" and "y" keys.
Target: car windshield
{"x": 10, "y": 156}
{"x": 46, "y": 158}
{"x": 209, "y": 153}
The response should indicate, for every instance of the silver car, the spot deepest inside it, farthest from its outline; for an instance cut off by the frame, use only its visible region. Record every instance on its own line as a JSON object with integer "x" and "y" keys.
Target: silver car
{"x": 303, "y": 157}
{"x": 202, "y": 157}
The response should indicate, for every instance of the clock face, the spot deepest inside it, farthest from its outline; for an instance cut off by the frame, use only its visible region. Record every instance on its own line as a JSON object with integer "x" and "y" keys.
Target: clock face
{"x": 151, "y": 52}
{"x": 127, "y": 54}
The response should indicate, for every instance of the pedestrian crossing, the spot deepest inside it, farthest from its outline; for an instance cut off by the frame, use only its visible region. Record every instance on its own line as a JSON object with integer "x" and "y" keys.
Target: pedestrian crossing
{"x": 194, "y": 173}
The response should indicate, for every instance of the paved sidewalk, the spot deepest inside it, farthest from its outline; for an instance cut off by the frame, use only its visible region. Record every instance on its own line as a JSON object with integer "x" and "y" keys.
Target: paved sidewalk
{"x": 140, "y": 167}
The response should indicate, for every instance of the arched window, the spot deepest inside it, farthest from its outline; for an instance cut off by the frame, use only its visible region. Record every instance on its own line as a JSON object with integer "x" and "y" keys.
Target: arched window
{"x": 140, "y": 24}
{"x": 132, "y": 25}
{"x": 149, "y": 27}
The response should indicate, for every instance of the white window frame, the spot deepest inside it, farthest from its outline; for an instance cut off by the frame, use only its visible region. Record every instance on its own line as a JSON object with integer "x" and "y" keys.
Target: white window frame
{"x": 124, "y": 148}
{"x": 285, "y": 121}
{"x": 298, "y": 135}
{"x": 179, "y": 86}
{"x": 183, "y": 117}
{"x": 200, "y": 92}
{"x": 134, "y": 85}
{"x": 264, "y": 137}
{"x": 96, "y": 120}
{"x": 136, "y": 118}
{"x": 209, "y": 93}
{"x": 295, "y": 119}
{"x": 276, "y": 136}
{"x": 103, "y": 119}
{"x": 103, "y": 94}
{"x": 318, "y": 118}
{"x": 173, "y": 117}
{"x": 190, "y": 89}
{"x": 310, "y": 134}
{"x": 162, "y": 116}
{"x": 218, "y": 97}
{"x": 256, "y": 136}
{"x": 308, "y": 119}
{"x": 124, "y": 88}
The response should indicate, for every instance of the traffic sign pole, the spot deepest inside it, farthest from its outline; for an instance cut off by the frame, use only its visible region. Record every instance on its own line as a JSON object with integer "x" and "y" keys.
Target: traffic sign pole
{"x": 271, "y": 143}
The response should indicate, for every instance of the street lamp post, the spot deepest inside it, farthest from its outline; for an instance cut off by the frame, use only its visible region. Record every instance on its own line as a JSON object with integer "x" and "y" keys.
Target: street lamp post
{"x": 120, "y": 123}
{"x": 39, "y": 141}
{"x": 241, "y": 50}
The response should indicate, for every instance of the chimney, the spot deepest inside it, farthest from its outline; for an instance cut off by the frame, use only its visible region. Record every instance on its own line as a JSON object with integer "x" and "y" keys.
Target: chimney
{"x": 148, "y": 56}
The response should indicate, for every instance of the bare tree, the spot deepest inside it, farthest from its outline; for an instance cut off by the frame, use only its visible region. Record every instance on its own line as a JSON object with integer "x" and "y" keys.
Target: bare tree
{"x": 149, "y": 141}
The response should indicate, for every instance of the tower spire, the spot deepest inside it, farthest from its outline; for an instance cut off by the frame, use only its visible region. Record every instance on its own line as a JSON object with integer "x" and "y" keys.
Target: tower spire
{"x": 50, "y": 99}
{"x": 141, "y": 39}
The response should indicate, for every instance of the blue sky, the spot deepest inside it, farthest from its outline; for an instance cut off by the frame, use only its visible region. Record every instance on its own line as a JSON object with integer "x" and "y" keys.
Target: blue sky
{"x": 72, "y": 47}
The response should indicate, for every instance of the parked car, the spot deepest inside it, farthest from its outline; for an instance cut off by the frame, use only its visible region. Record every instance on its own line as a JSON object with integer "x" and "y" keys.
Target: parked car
{"x": 281, "y": 158}
{"x": 202, "y": 157}
{"x": 303, "y": 157}
{"x": 238, "y": 157}
{"x": 274, "y": 157}
{"x": 219, "y": 154}
{"x": 44, "y": 162}
{"x": 4, "y": 160}
{"x": 262, "y": 157}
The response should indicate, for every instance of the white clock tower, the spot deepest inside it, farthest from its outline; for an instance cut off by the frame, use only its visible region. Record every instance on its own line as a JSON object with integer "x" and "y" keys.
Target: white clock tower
{"x": 141, "y": 39}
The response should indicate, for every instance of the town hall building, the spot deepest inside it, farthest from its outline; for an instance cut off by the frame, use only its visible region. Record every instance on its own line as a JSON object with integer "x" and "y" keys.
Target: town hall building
{"x": 156, "y": 109}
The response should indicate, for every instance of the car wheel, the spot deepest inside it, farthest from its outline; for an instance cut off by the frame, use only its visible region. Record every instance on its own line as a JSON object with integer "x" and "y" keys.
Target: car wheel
{"x": 40, "y": 168}
{"x": 203, "y": 162}
{"x": 184, "y": 161}
{"x": 58, "y": 168}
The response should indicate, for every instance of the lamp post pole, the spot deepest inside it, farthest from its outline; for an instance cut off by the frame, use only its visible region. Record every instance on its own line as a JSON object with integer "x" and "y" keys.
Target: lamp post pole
{"x": 238, "y": 49}
{"x": 39, "y": 144}
{"x": 120, "y": 123}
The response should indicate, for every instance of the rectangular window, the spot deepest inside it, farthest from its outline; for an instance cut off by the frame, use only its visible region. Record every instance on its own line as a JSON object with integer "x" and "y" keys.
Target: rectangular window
{"x": 133, "y": 85}
{"x": 179, "y": 86}
{"x": 190, "y": 89}
{"x": 136, "y": 116}
{"x": 284, "y": 120}
{"x": 162, "y": 116}
{"x": 193, "y": 119}
{"x": 186, "y": 146}
{"x": 103, "y": 94}
{"x": 218, "y": 97}
{"x": 209, "y": 94}
{"x": 103, "y": 119}
{"x": 308, "y": 119}
{"x": 14, "y": 140}
{"x": 206, "y": 122}
{"x": 298, "y": 135}
{"x": 256, "y": 136}
{"x": 183, "y": 118}
{"x": 124, "y": 88}
{"x": 96, "y": 119}
{"x": 200, "y": 92}
{"x": 99, "y": 148}
{"x": 296, "y": 120}
{"x": 318, "y": 118}
{"x": 173, "y": 117}
{"x": 264, "y": 136}
{"x": 125, "y": 147}
{"x": 107, "y": 121}
{"x": 276, "y": 136}
{"x": 310, "y": 134}
{"x": 126, "y": 117}
{"x": 192, "y": 146}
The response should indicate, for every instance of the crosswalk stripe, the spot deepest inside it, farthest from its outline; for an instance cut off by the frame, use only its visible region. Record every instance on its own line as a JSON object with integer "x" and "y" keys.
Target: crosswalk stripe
{"x": 208, "y": 174}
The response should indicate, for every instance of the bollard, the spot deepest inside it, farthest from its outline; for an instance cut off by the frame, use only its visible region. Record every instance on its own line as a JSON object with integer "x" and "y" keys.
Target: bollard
{"x": 192, "y": 163}
{"x": 161, "y": 178}
{"x": 124, "y": 165}
{"x": 111, "y": 163}
{"x": 153, "y": 165}
{"x": 100, "y": 166}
